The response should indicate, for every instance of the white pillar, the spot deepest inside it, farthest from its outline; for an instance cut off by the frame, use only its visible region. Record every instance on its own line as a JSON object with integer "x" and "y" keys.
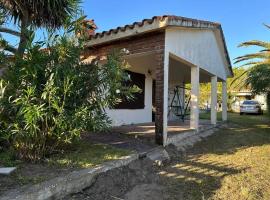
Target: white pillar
{"x": 224, "y": 101}
{"x": 194, "y": 101}
{"x": 214, "y": 100}
{"x": 165, "y": 101}
{"x": 183, "y": 95}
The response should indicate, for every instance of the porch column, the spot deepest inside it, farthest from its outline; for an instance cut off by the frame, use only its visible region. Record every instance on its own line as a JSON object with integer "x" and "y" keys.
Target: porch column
{"x": 194, "y": 101}
{"x": 214, "y": 100}
{"x": 166, "y": 94}
{"x": 183, "y": 95}
{"x": 224, "y": 101}
{"x": 161, "y": 98}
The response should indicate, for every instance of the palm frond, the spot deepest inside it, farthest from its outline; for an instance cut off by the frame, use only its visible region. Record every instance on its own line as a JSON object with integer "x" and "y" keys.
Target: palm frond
{"x": 43, "y": 13}
{"x": 254, "y": 63}
{"x": 242, "y": 83}
{"x": 255, "y": 43}
{"x": 236, "y": 79}
{"x": 266, "y": 25}
{"x": 259, "y": 55}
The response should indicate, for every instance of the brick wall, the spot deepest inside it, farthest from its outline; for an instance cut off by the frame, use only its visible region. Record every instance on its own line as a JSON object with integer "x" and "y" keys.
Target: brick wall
{"x": 141, "y": 44}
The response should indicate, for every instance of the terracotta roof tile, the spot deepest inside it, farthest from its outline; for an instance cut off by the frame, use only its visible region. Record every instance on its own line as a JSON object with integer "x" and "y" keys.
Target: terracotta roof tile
{"x": 150, "y": 21}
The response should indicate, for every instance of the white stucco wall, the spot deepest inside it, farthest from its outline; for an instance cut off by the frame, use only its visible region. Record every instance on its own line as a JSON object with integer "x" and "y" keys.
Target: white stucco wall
{"x": 199, "y": 47}
{"x": 134, "y": 116}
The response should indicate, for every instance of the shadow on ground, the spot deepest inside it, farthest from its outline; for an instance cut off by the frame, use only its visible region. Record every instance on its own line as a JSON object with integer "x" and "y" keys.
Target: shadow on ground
{"x": 234, "y": 163}
{"x": 228, "y": 165}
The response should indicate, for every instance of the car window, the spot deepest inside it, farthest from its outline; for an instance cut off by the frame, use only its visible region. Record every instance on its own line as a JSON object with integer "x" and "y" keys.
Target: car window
{"x": 250, "y": 102}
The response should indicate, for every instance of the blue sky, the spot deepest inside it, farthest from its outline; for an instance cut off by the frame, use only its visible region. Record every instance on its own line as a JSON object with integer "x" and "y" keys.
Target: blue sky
{"x": 241, "y": 20}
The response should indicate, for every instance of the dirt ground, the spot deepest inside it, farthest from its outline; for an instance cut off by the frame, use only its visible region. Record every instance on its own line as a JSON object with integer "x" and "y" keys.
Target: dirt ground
{"x": 140, "y": 180}
{"x": 136, "y": 181}
{"x": 29, "y": 174}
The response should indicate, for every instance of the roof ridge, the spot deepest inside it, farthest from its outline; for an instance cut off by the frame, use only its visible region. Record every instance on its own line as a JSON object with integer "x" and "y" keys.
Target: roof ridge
{"x": 149, "y": 21}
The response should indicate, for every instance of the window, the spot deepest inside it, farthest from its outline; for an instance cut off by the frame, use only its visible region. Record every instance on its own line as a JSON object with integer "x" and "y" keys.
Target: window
{"x": 138, "y": 101}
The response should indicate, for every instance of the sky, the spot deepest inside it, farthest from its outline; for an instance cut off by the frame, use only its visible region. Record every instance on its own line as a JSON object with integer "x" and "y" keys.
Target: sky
{"x": 241, "y": 20}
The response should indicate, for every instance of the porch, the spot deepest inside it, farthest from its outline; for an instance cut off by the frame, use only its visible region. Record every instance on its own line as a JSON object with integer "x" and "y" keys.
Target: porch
{"x": 164, "y": 53}
{"x": 170, "y": 74}
{"x": 146, "y": 131}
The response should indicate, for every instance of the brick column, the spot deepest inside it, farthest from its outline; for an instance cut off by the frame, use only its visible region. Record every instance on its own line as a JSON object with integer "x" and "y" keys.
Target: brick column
{"x": 159, "y": 98}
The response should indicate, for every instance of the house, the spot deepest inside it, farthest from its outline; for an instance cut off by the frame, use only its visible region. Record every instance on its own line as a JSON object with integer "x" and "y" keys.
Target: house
{"x": 164, "y": 52}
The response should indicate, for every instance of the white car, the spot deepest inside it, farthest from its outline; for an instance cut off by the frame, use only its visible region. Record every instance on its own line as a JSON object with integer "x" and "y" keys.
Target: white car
{"x": 251, "y": 106}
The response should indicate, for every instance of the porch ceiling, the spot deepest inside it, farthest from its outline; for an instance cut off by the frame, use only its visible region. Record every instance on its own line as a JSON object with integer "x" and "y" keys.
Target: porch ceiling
{"x": 180, "y": 72}
{"x": 142, "y": 63}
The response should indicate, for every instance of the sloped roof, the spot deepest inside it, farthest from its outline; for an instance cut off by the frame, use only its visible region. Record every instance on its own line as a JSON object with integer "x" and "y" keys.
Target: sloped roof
{"x": 185, "y": 21}
{"x": 154, "y": 24}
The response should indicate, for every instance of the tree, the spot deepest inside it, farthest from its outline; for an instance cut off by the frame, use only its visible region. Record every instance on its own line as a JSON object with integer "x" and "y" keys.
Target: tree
{"x": 32, "y": 14}
{"x": 258, "y": 73}
{"x": 235, "y": 84}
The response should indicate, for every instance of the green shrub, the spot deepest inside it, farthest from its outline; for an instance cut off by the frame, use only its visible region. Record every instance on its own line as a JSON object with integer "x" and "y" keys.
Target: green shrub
{"x": 49, "y": 97}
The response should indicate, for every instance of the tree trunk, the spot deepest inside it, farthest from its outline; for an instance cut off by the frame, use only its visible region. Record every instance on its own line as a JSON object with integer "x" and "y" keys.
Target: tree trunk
{"x": 24, "y": 35}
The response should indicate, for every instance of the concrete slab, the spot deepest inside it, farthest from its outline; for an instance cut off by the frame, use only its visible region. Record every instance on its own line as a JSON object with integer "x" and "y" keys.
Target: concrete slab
{"x": 58, "y": 188}
{"x": 158, "y": 155}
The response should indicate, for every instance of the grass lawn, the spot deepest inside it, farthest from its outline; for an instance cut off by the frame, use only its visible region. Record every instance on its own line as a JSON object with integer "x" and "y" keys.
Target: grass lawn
{"x": 232, "y": 164}
{"x": 82, "y": 155}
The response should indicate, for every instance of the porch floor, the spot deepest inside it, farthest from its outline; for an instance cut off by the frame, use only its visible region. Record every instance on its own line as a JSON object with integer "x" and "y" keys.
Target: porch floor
{"x": 147, "y": 130}
{"x": 141, "y": 137}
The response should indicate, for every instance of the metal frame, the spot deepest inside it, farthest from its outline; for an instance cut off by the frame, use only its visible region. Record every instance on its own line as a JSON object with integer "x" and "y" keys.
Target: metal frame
{"x": 178, "y": 107}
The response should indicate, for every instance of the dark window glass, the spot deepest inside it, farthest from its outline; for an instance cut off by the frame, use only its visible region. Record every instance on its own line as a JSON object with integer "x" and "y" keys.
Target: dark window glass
{"x": 250, "y": 102}
{"x": 138, "y": 101}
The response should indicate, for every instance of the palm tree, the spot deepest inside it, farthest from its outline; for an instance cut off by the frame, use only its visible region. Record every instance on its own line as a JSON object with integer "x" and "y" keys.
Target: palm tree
{"x": 29, "y": 14}
{"x": 258, "y": 73}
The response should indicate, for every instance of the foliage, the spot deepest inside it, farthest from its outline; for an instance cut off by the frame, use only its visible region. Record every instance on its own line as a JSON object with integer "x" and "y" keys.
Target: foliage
{"x": 50, "y": 14}
{"x": 259, "y": 67}
{"x": 49, "y": 96}
{"x": 31, "y": 14}
{"x": 238, "y": 82}
{"x": 205, "y": 94}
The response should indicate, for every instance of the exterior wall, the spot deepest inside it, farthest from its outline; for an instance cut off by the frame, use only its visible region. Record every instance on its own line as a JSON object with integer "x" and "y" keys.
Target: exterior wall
{"x": 150, "y": 42}
{"x": 134, "y": 116}
{"x": 199, "y": 47}
{"x": 138, "y": 44}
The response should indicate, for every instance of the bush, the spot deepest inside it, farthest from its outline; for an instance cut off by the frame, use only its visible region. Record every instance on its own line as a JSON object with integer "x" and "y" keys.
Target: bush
{"x": 49, "y": 97}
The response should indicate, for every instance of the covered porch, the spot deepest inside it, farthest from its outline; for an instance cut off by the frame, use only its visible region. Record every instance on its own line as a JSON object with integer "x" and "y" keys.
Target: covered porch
{"x": 169, "y": 71}
{"x": 164, "y": 53}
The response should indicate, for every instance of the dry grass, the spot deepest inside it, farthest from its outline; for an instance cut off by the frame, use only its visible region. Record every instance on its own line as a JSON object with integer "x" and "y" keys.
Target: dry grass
{"x": 81, "y": 155}
{"x": 232, "y": 164}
